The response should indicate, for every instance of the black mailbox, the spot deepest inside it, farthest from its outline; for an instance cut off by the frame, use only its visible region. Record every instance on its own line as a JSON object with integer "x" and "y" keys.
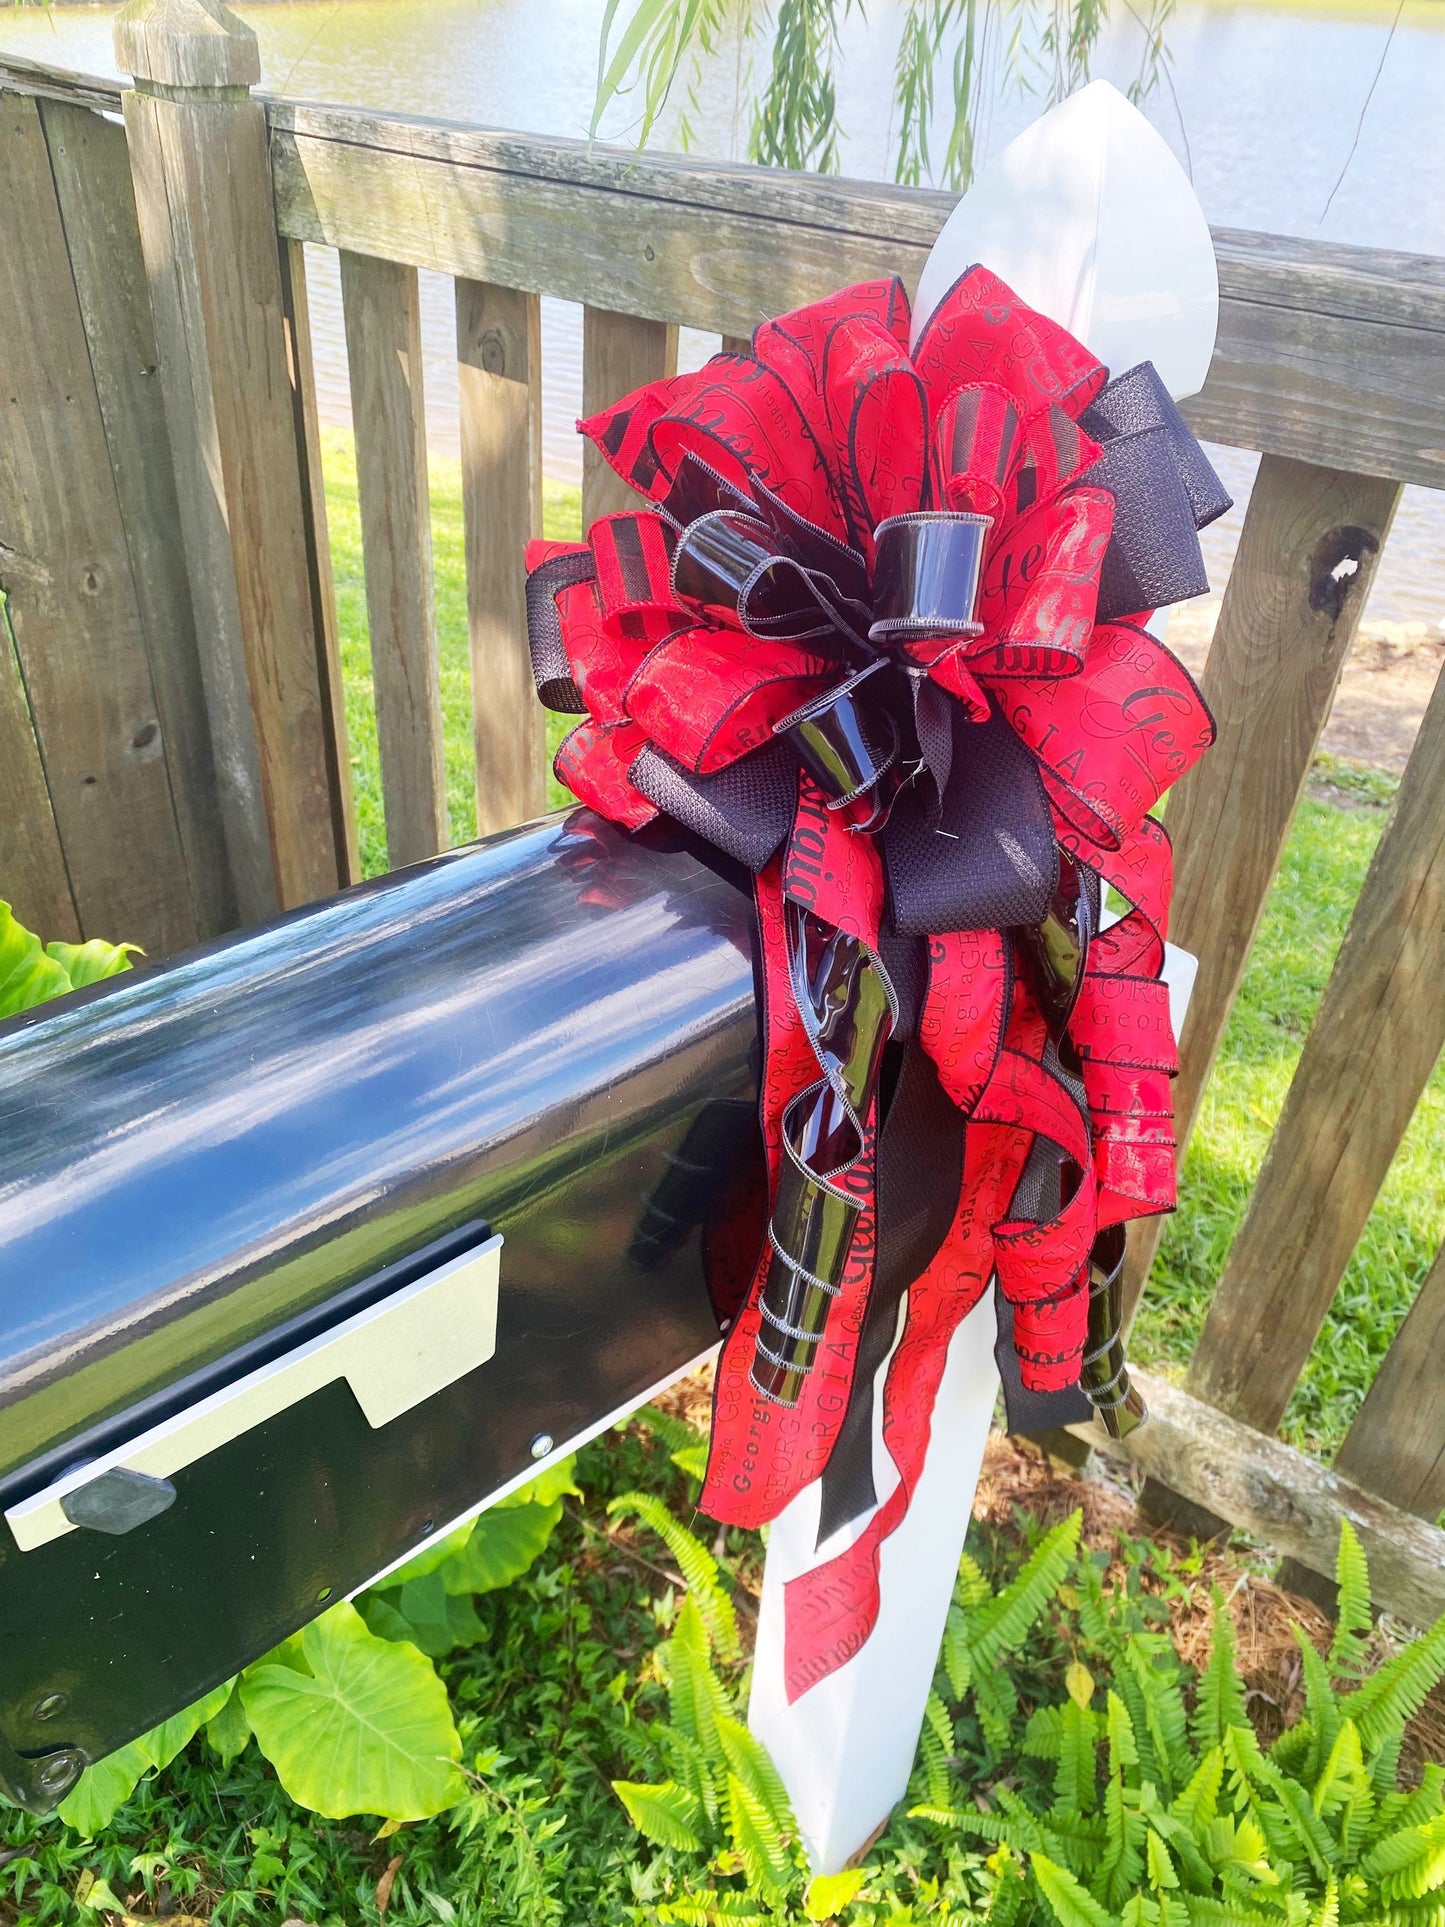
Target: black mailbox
{"x": 315, "y": 1239}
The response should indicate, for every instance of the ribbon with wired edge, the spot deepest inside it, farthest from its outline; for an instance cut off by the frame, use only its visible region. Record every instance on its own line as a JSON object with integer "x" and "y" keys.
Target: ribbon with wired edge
{"x": 881, "y": 642}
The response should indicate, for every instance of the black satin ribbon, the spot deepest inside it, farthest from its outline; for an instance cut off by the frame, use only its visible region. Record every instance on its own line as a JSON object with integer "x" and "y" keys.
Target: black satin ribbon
{"x": 846, "y": 1006}
{"x": 925, "y": 575}
{"x": 1056, "y": 953}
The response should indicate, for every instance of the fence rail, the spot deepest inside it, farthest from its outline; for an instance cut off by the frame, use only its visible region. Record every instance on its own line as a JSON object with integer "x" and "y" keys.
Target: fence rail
{"x": 172, "y": 736}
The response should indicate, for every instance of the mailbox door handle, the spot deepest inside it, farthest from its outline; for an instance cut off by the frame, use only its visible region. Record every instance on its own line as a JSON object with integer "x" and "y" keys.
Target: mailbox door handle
{"x": 393, "y": 1355}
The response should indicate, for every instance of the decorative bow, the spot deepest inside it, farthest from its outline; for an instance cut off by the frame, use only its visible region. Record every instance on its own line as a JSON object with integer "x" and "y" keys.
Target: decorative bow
{"x": 882, "y": 642}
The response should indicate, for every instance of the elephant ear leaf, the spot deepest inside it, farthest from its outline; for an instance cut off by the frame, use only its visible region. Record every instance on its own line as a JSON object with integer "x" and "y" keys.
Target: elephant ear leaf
{"x": 101, "y": 1789}
{"x": 104, "y": 1787}
{"x": 27, "y": 975}
{"x": 367, "y": 1730}
{"x": 93, "y": 961}
{"x": 503, "y": 1543}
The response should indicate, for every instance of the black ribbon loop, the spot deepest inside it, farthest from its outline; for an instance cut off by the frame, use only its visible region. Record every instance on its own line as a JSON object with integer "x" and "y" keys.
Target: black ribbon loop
{"x": 925, "y": 575}
{"x": 846, "y": 1004}
{"x": 992, "y": 861}
{"x": 551, "y": 670}
{"x": 844, "y": 746}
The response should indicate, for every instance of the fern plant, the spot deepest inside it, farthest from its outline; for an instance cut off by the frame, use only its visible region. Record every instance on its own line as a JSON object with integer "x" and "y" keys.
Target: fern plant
{"x": 723, "y": 1797}
{"x": 1163, "y": 1809}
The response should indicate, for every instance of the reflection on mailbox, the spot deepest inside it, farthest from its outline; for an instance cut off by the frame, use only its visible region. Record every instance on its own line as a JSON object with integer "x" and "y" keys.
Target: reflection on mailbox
{"x": 309, "y": 1240}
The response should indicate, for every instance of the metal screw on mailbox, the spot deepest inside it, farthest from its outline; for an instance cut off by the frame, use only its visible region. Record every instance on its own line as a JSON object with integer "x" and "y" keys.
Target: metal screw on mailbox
{"x": 59, "y": 1772}
{"x": 541, "y": 1445}
{"x": 48, "y": 1705}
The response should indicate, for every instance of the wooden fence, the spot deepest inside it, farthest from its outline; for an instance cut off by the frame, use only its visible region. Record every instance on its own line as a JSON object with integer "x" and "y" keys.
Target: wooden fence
{"x": 172, "y": 741}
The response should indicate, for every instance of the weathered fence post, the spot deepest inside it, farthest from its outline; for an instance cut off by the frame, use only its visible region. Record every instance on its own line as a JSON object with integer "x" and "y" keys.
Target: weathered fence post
{"x": 201, "y": 170}
{"x": 1369, "y": 1054}
{"x": 1307, "y": 555}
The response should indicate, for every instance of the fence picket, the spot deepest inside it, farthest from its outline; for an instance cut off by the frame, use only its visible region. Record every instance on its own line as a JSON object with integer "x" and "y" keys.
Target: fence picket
{"x": 499, "y": 362}
{"x": 1373, "y": 1045}
{"x": 200, "y": 169}
{"x": 383, "y": 348}
{"x": 72, "y": 604}
{"x": 1284, "y": 630}
{"x": 1396, "y": 1446}
{"x": 619, "y": 353}
{"x": 32, "y": 864}
{"x": 323, "y": 586}
{"x": 92, "y": 182}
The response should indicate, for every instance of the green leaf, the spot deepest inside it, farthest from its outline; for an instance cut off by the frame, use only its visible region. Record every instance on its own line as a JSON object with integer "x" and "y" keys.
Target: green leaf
{"x": 1071, "y": 1904}
{"x": 696, "y": 1564}
{"x": 165, "y": 1741}
{"x": 1328, "y": 1912}
{"x": 1199, "y": 1802}
{"x": 228, "y": 1730}
{"x": 830, "y": 1893}
{"x": 1410, "y": 1863}
{"x": 434, "y": 1553}
{"x": 998, "y": 1628}
{"x": 676, "y": 1434}
{"x": 1322, "y": 1714}
{"x": 757, "y": 1841}
{"x": 423, "y": 1604}
{"x": 384, "y": 1617}
{"x": 1078, "y": 1734}
{"x": 368, "y": 1730}
{"x": 548, "y": 1486}
{"x": 1346, "y": 1659}
{"x": 27, "y": 975}
{"x": 424, "y": 1612}
{"x": 105, "y": 1787}
{"x": 956, "y": 1661}
{"x": 696, "y": 1697}
{"x": 1220, "y": 1700}
{"x": 691, "y": 1459}
{"x": 1398, "y": 1690}
{"x": 501, "y": 1545}
{"x": 751, "y": 1762}
{"x": 96, "y": 1895}
{"x": 93, "y": 961}
{"x": 666, "y": 1813}
{"x": 1160, "y": 1866}
{"x": 1123, "y": 1749}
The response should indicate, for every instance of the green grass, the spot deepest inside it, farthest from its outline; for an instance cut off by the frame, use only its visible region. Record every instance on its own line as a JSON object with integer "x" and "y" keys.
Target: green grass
{"x": 561, "y": 520}
{"x": 1305, "y": 918}
{"x": 1304, "y": 921}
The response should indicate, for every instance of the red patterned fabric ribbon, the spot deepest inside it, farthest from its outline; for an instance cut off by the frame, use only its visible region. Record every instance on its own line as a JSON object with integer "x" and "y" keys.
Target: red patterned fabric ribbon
{"x": 882, "y": 640}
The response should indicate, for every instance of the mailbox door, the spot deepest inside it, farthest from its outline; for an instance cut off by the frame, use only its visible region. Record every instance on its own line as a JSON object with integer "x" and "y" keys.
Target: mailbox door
{"x": 320, "y": 1238}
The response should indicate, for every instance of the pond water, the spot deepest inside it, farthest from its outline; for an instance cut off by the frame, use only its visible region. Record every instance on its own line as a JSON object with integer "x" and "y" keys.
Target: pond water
{"x": 1270, "y": 107}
